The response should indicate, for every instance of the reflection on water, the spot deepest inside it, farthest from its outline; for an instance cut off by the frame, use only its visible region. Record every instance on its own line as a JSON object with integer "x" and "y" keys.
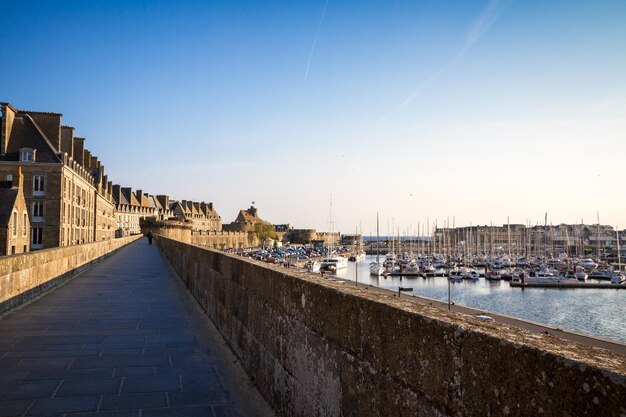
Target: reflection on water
{"x": 597, "y": 312}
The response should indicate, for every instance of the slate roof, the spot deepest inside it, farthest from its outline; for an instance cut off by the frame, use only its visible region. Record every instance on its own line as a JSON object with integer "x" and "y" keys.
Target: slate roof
{"x": 8, "y": 195}
{"x": 26, "y": 134}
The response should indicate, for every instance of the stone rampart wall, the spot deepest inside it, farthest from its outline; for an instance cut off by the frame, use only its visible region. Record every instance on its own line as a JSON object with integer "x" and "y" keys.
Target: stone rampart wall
{"x": 224, "y": 239}
{"x": 315, "y": 347}
{"x": 25, "y": 276}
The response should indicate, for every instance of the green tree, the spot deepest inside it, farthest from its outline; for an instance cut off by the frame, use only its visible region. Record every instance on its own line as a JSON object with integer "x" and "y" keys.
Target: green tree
{"x": 264, "y": 231}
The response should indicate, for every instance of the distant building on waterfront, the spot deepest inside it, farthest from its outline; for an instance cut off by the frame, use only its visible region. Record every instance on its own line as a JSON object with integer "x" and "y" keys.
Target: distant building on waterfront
{"x": 522, "y": 240}
{"x": 65, "y": 188}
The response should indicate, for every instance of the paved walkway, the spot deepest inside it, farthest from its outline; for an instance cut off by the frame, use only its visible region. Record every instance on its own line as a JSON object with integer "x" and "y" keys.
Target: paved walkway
{"x": 123, "y": 339}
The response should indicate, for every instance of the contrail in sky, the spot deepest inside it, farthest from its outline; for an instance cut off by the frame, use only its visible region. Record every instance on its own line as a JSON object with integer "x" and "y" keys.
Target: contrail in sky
{"x": 477, "y": 29}
{"x": 319, "y": 26}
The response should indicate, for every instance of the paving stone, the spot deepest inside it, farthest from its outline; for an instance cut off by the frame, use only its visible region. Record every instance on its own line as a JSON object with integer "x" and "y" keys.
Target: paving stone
{"x": 183, "y": 370}
{"x": 178, "y": 399}
{"x": 28, "y": 389}
{"x": 117, "y": 361}
{"x": 91, "y": 386}
{"x": 69, "y": 374}
{"x": 195, "y": 411}
{"x": 225, "y": 411}
{"x": 200, "y": 382}
{"x": 107, "y": 413}
{"x": 64, "y": 405}
{"x": 151, "y": 384}
{"x": 133, "y": 401}
{"x": 135, "y": 371}
{"x": 43, "y": 363}
{"x": 11, "y": 408}
{"x": 70, "y": 353}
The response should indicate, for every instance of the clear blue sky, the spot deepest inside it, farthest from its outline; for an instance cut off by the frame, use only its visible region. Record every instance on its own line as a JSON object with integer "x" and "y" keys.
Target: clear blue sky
{"x": 418, "y": 109}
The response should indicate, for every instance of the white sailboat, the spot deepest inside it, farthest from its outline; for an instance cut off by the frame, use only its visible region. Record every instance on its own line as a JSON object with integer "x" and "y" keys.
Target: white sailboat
{"x": 376, "y": 268}
{"x": 333, "y": 261}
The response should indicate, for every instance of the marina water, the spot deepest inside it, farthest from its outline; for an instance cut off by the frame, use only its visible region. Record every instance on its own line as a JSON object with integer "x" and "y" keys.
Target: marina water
{"x": 597, "y": 312}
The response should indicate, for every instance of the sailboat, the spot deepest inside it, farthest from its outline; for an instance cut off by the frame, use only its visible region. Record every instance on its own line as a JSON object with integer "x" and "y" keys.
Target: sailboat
{"x": 333, "y": 261}
{"x": 359, "y": 254}
{"x": 376, "y": 268}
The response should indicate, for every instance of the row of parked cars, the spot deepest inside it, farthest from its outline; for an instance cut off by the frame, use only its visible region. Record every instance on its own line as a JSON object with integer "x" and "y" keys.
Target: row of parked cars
{"x": 290, "y": 254}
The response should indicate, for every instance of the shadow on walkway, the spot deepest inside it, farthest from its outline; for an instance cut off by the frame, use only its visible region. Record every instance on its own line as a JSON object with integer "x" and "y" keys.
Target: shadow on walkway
{"x": 123, "y": 339}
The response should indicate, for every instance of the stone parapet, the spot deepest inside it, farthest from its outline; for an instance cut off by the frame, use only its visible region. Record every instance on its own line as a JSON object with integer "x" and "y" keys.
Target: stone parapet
{"x": 25, "y": 276}
{"x": 319, "y": 347}
{"x": 224, "y": 239}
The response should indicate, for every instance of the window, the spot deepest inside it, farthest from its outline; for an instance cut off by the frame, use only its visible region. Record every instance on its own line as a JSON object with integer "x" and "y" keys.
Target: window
{"x": 9, "y": 177}
{"x": 15, "y": 224}
{"x": 27, "y": 155}
{"x": 38, "y": 184}
{"x": 38, "y": 211}
{"x": 37, "y": 237}
{"x": 25, "y": 220}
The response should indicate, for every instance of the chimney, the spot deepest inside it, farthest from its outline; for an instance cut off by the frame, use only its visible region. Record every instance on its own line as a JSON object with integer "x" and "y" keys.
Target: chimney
{"x": 252, "y": 211}
{"x": 139, "y": 194}
{"x": 87, "y": 159}
{"x": 164, "y": 200}
{"x": 50, "y": 125}
{"x": 6, "y": 126}
{"x": 109, "y": 187}
{"x": 99, "y": 176}
{"x": 79, "y": 150}
{"x": 67, "y": 140}
{"x": 117, "y": 193}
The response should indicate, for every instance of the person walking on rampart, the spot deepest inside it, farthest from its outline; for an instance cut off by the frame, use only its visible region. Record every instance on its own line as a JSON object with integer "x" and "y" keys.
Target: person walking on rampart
{"x": 149, "y": 236}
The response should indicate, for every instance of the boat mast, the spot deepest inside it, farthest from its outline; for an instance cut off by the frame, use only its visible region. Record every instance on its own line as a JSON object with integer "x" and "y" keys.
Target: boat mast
{"x": 619, "y": 254}
{"x": 377, "y": 242}
{"x": 598, "y": 236}
{"x": 508, "y": 233}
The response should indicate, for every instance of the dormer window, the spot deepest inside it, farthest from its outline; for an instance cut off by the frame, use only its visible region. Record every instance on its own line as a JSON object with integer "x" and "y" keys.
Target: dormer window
{"x": 27, "y": 155}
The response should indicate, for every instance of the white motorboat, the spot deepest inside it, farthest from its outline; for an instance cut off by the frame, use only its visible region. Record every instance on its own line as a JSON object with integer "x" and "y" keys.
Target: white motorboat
{"x": 589, "y": 264}
{"x": 312, "y": 266}
{"x": 471, "y": 274}
{"x": 333, "y": 263}
{"x": 456, "y": 274}
{"x": 618, "y": 277}
{"x": 601, "y": 274}
{"x": 376, "y": 269}
{"x": 548, "y": 276}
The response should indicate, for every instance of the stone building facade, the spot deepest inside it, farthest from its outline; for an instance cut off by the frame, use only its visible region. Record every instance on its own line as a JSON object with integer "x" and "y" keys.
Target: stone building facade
{"x": 14, "y": 220}
{"x": 67, "y": 194}
{"x": 202, "y": 216}
{"x": 245, "y": 221}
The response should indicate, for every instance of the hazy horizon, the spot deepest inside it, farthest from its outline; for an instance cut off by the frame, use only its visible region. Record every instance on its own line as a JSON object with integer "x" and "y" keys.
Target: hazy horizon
{"x": 476, "y": 111}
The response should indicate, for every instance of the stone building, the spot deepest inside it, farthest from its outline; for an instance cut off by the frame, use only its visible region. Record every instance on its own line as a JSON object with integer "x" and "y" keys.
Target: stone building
{"x": 245, "y": 221}
{"x": 131, "y": 207}
{"x": 14, "y": 220}
{"x": 202, "y": 216}
{"x": 65, "y": 188}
